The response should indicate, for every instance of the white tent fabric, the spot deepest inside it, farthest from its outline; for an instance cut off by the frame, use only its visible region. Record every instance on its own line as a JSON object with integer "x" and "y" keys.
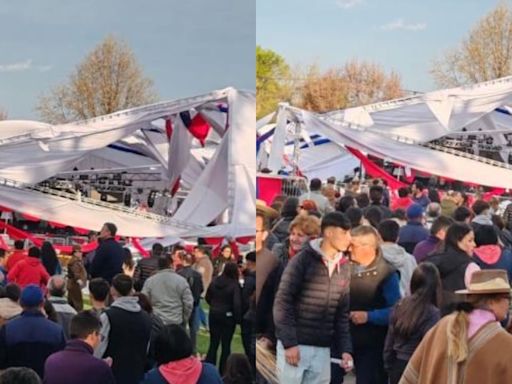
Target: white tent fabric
{"x": 38, "y": 151}
{"x": 316, "y": 160}
{"x": 275, "y": 160}
{"x": 431, "y": 115}
{"x": 325, "y": 160}
{"x": 412, "y": 155}
{"x": 179, "y": 150}
{"x": 82, "y": 215}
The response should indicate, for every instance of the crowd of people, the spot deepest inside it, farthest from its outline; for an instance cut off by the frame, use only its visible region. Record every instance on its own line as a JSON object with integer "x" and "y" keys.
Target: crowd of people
{"x": 139, "y": 322}
{"x": 407, "y": 286}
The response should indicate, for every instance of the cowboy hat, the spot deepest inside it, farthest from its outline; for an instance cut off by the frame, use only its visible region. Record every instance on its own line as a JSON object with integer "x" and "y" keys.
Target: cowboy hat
{"x": 262, "y": 207}
{"x": 487, "y": 281}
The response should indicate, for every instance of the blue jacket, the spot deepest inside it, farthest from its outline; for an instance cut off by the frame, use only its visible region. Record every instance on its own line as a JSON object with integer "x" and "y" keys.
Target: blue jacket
{"x": 28, "y": 340}
{"x": 209, "y": 375}
{"x": 424, "y": 201}
{"x": 411, "y": 234}
{"x": 108, "y": 261}
{"x": 77, "y": 365}
{"x": 504, "y": 262}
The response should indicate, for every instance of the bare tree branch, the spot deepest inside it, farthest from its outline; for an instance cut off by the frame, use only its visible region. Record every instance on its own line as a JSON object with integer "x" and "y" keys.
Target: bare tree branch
{"x": 107, "y": 80}
{"x": 356, "y": 83}
{"x": 486, "y": 53}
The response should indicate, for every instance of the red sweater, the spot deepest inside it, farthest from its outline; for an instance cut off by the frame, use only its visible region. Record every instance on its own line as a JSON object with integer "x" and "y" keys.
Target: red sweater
{"x": 29, "y": 271}
{"x": 17, "y": 255}
{"x": 402, "y": 203}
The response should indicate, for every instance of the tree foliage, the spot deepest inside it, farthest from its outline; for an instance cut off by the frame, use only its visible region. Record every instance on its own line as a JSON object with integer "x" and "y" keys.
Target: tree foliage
{"x": 107, "y": 80}
{"x": 3, "y": 114}
{"x": 356, "y": 83}
{"x": 485, "y": 54}
{"x": 272, "y": 81}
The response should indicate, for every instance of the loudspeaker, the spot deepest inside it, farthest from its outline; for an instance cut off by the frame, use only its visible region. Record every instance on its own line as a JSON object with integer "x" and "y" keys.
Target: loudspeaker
{"x": 127, "y": 199}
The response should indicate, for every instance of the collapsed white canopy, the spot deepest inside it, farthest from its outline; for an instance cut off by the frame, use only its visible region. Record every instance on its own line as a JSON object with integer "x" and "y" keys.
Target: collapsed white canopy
{"x": 39, "y": 151}
{"x": 408, "y": 154}
{"x": 395, "y": 130}
{"x": 318, "y": 158}
{"x": 435, "y": 114}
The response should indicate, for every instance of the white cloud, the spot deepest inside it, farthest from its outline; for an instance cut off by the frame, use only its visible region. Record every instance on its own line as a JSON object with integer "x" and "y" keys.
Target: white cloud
{"x": 24, "y": 66}
{"x": 16, "y": 67}
{"x": 348, "y": 3}
{"x": 400, "y": 24}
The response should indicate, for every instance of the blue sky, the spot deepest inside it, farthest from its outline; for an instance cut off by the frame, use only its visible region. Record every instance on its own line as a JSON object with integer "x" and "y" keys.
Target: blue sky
{"x": 187, "y": 47}
{"x": 401, "y": 35}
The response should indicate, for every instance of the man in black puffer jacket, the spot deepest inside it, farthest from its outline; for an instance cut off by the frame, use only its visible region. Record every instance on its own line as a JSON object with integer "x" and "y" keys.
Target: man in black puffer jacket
{"x": 311, "y": 309}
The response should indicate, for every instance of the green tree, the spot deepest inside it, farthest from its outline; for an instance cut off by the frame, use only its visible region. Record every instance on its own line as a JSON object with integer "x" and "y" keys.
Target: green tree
{"x": 107, "y": 80}
{"x": 272, "y": 81}
{"x": 485, "y": 54}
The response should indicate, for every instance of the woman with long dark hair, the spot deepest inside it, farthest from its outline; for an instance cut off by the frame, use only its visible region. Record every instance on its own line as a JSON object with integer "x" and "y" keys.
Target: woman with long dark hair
{"x": 226, "y": 256}
{"x": 224, "y": 296}
{"x": 454, "y": 262}
{"x": 50, "y": 260}
{"x": 411, "y": 319}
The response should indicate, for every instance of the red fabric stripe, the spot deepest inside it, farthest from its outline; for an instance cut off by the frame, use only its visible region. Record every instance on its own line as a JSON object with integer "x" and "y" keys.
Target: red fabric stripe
{"x": 176, "y": 186}
{"x": 138, "y": 246}
{"x": 168, "y": 129}
{"x": 375, "y": 171}
{"x": 19, "y": 234}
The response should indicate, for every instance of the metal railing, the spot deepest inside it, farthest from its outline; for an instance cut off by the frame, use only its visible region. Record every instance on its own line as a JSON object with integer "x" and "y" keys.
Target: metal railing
{"x": 76, "y": 197}
{"x": 466, "y": 155}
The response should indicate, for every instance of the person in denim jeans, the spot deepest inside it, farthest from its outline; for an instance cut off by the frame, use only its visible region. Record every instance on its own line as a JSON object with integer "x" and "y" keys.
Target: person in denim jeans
{"x": 311, "y": 309}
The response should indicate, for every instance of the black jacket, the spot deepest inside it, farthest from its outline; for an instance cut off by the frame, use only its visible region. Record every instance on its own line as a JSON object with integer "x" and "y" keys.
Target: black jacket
{"x": 312, "y": 308}
{"x": 452, "y": 266}
{"x": 248, "y": 296}
{"x": 281, "y": 228}
{"x": 400, "y": 347}
{"x": 129, "y": 338}
{"x": 224, "y": 296}
{"x": 264, "y": 316}
{"x": 195, "y": 282}
{"x": 108, "y": 261}
{"x": 144, "y": 269}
